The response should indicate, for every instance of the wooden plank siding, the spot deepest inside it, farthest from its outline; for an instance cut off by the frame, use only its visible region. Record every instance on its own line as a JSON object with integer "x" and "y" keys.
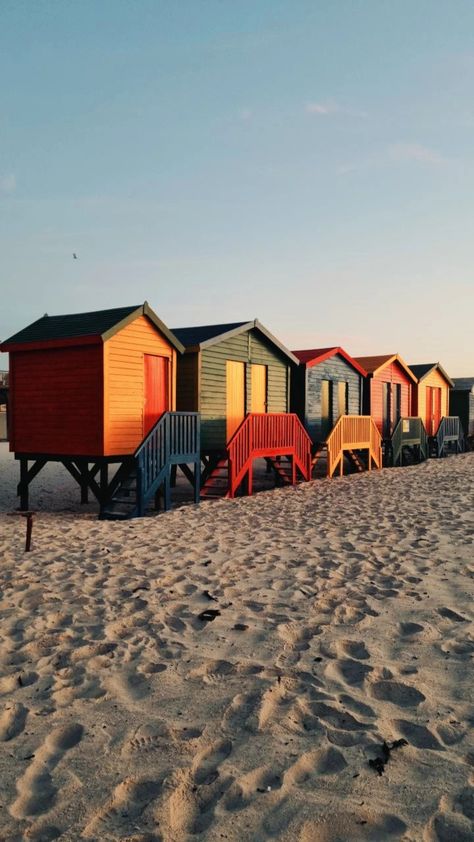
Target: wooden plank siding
{"x": 433, "y": 379}
{"x": 57, "y": 401}
{"x": 203, "y": 377}
{"x": 124, "y": 383}
{"x": 307, "y": 393}
{"x": 461, "y": 403}
{"x": 187, "y": 387}
{"x": 393, "y": 374}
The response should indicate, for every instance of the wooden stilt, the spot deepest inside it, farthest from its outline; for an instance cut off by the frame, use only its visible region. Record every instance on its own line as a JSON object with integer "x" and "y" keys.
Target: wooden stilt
{"x": 174, "y": 471}
{"x": 23, "y": 487}
{"x": 197, "y": 482}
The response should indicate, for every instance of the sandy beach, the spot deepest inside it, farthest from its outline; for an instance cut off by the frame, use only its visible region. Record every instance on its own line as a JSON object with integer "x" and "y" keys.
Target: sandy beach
{"x": 340, "y": 617}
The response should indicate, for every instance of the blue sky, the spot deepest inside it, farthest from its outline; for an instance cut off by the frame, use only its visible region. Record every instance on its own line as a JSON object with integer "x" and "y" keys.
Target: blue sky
{"x": 307, "y": 163}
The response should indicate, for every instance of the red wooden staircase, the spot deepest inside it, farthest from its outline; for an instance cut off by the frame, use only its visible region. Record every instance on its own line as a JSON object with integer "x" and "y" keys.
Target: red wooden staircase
{"x": 216, "y": 484}
{"x": 278, "y": 437}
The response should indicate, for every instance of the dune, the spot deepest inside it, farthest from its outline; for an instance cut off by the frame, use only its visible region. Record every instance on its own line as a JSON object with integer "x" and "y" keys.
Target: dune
{"x": 341, "y": 620}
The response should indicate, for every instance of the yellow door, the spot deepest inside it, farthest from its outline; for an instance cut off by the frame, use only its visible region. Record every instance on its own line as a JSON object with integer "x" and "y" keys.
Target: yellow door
{"x": 342, "y": 398}
{"x": 258, "y": 395}
{"x": 235, "y": 396}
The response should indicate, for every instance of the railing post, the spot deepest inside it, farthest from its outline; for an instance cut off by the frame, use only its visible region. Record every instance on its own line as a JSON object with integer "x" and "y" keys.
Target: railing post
{"x": 140, "y": 495}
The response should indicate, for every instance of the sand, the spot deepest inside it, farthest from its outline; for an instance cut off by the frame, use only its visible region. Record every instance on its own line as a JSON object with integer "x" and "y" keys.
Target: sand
{"x": 345, "y": 620}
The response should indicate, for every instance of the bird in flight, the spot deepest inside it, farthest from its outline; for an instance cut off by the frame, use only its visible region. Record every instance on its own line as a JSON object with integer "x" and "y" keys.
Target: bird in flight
{"x": 74, "y": 256}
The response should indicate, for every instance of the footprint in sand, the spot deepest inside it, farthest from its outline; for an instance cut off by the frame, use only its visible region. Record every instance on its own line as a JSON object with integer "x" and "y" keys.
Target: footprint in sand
{"x": 353, "y": 649}
{"x": 146, "y": 738}
{"x": 409, "y": 629}
{"x": 323, "y": 761}
{"x": 449, "y": 614}
{"x": 119, "y": 815}
{"x": 357, "y": 826}
{"x": 36, "y": 791}
{"x": 448, "y": 827}
{"x": 12, "y": 721}
{"x": 244, "y": 790}
{"x": 417, "y": 735}
{"x": 348, "y": 671}
{"x": 205, "y": 765}
{"x": 397, "y": 693}
{"x": 451, "y": 732}
{"x": 242, "y": 713}
{"x": 213, "y": 671}
{"x": 190, "y": 809}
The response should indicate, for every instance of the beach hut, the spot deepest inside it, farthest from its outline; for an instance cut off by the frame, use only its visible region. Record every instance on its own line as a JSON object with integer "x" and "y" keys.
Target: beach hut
{"x": 388, "y": 398}
{"x": 99, "y": 388}
{"x": 238, "y": 377}
{"x": 431, "y": 404}
{"x": 326, "y": 392}
{"x": 461, "y": 404}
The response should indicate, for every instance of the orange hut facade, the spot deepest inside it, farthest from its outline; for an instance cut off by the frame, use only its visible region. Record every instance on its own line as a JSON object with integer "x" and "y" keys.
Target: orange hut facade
{"x": 90, "y": 384}
{"x": 431, "y": 395}
{"x": 388, "y": 390}
{"x": 92, "y": 389}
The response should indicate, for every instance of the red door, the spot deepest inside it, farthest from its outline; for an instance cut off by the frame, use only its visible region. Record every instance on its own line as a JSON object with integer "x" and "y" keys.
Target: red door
{"x": 433, "y": 409}
{"x": 156, "y": 390}
{"x": 436, "y": 409}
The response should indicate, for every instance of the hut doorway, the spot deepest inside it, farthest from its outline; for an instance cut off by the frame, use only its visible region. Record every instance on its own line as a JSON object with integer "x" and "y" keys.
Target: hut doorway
{"x": 433, "y": 409}
{"x": 327, "y": 401}
{"x": 258, "y": 395}
{"x": 386, "y": 410}
{"x": 156, "y": 390}
{"x": 235, "y": 396}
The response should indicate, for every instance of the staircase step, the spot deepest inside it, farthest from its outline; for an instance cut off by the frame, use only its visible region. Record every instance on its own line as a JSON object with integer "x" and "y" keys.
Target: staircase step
{"x": 214, "y": 491}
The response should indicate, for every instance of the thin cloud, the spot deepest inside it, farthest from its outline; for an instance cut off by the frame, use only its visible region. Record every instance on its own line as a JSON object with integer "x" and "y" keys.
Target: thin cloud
{"x": 245, "y": 114}
{"x": 331, "y": 108}
{"x": 396, "y": 153}
{"x": 415, "y": 152}
{"x": 7, "y": 183}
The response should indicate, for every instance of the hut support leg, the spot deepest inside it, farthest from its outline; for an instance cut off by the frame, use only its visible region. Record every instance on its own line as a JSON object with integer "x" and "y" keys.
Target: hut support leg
{"x": 293, "y": 471}
{"x": 167, "y": 491}
{"x": 250, "y": 479}
{"x": 197, "y": 482}
{"x": 23, "y": 487}
{"x": 104, "y": 480}
{"x": 26, "y": 476}
{"x": 174, "y": 471}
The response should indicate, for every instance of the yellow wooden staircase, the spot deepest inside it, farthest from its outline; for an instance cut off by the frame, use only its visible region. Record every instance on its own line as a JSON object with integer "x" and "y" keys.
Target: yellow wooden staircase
{"x": 350, "y": 435}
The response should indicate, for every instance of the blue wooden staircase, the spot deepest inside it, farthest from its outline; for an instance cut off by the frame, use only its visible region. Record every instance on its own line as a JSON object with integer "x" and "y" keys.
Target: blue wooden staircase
{"x": 448, "y": 437}
{"x": 173, "y": 441}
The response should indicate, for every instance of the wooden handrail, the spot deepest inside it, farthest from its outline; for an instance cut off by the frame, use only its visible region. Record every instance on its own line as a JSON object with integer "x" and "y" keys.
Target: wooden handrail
{"x": 267, "y": 434}
{"x": 175, "y": 435}
{"x": 449, "y": 430}
{"x": 353, "y": 432}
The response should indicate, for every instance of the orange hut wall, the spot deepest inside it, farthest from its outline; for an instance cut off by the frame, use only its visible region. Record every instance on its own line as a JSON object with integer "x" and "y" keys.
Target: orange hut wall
{"x": 392, "y": 373}
{"x": 436, "y": 379}
{"x": 124, "y": 383}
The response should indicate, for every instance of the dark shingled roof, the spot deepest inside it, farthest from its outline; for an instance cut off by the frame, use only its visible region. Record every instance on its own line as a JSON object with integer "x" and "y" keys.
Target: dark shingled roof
{"x": 191, "y": 336}
{"x": 463, "y": 383}
{"x": 73, "y": 325}
{"x": 422, "y": 369}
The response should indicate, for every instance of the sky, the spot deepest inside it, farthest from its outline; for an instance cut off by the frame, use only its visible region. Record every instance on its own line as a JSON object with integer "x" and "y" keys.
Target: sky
{"x": 309, "y": 164}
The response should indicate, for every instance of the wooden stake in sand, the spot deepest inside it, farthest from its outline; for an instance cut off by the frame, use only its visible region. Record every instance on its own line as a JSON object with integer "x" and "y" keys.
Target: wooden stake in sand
{"x": 29, "y": 530}
{"x": 29, "y": 527}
